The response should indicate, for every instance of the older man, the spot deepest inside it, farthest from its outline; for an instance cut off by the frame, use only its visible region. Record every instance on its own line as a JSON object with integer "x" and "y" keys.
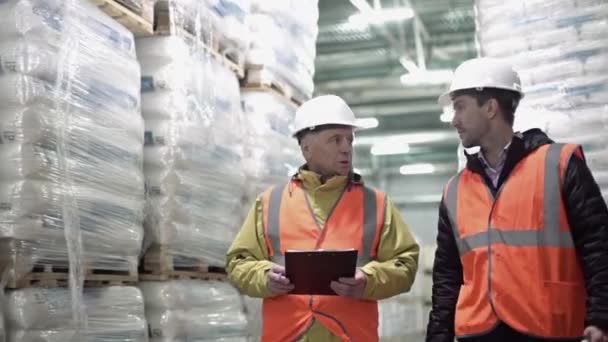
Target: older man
{"x": 324, "y": 206}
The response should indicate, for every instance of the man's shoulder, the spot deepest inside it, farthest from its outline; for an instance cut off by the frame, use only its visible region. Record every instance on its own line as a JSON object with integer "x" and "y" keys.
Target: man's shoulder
{"x": 371, "y": 188}
{"x": 269, "y": 189}
{"x": 378, "y": 193}
{"x": 455, "y": 177}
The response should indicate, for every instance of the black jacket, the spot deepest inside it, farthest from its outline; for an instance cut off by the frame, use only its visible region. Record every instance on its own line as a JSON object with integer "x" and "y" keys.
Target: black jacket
{"x": 587, "y": 215}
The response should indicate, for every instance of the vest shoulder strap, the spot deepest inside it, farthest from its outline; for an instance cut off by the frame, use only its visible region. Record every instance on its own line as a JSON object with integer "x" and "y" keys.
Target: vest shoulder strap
{"x": 271, "y": 211}
{"x": 374, "y": 210}
{"x": 374, "y": 216}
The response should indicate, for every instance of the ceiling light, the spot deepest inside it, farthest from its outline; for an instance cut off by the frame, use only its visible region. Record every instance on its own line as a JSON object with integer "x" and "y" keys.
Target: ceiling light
{"x": 353, "y": 26}
{"x": 367, "y": 123}
{"x": 417, "y": 169}
{"x": 377, "y": 17}
{"x": 389, "y": 147}
{"x": 427, "y": 77}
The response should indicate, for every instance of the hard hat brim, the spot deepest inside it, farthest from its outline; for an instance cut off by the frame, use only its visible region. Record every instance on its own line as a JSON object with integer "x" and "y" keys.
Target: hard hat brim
{"x": 445, "y": 99}
{"x": 354, "y": 127}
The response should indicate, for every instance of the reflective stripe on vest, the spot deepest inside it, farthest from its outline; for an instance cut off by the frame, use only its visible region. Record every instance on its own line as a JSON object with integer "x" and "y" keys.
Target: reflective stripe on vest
{"x": 549, "y": 236}
{"x": 370, "y": 220}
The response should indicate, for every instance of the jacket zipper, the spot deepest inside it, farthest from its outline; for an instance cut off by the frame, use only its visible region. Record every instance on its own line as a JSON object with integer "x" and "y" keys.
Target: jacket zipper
{"x": 494, "y": 199}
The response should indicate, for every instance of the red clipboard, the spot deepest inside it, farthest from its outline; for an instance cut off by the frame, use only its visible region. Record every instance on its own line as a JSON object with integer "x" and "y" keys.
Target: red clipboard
{"x": 312, "y": 271}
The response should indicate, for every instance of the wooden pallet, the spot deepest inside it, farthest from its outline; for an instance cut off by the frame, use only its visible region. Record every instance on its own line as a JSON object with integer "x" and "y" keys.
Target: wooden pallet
{"x": 46, "y": 275}
{"x": 258, "y": 77}
{"x": 229, "y": 58}
{"x": 125, "y": 16}
{"x": 159, "y": 264}
{"x": 219, "y": 49}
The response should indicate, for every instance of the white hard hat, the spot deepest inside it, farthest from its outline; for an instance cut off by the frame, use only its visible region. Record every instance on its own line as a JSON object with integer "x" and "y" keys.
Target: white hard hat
{"x": 481, "y": 73}
{"x": 324, "y": 110}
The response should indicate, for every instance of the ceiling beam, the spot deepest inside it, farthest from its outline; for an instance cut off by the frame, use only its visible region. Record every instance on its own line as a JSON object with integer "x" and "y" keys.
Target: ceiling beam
{"x": 337, "y": 46}
{"x": 384, "y": 96}
{"x": 396, "y": 109}
{"x": 342, "y": 60}
{"x": 388, "y": 81}
{"x": 435, "y": 6}
{"x": 418, "y": 137}
{"x": 354, "y": 73}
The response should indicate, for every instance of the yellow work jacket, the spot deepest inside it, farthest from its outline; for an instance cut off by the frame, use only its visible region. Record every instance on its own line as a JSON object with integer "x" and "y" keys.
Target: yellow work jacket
{"x": 390, "y": 274}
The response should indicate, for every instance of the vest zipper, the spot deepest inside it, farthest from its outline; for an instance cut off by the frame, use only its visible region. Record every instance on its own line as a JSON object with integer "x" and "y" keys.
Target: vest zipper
{"x": 337, "y": 322}
{"x": 312, "y": 321}
{"x": 328, "y": 316}
{"x": 299, "y": 337}
{"x": 494, "y": 199}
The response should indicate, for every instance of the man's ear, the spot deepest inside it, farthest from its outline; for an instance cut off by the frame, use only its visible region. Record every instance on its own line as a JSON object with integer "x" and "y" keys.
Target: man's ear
{"x": 492, "y": 108}
{"x": 305, "y": 146}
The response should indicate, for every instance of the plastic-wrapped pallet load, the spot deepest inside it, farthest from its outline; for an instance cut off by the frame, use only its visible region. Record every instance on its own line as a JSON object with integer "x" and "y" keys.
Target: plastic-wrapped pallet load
{"x": 114, "y": 314}
{"x": 253, "y": 310}
{"x": 145, "y": 8}
{"x": 71, "y": 138}
{"x": 560, "y": 48}
{"x": 193, "y": 310}
{"x": 402, "y": 319}
{"x": 272, "y": 153}
{"x": 193, "y": 150}
{"x": 216, "y": 21}
{"x": 277, "y": 24}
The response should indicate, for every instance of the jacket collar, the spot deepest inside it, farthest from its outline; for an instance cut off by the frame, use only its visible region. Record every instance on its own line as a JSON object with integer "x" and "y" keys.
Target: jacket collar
{"x": 521, "y": 145}
{"x": 312, "y": 180}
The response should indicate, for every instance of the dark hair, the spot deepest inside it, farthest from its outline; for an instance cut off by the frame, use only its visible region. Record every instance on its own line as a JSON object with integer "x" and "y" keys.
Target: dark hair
{"x": 300, "y": 135}
{"x": 508, "y": 100}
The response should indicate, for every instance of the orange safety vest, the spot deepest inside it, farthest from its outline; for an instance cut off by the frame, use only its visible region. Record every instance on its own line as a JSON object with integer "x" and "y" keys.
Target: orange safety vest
{"x": 518, "y": 257}
{"x": 289, "y": 224}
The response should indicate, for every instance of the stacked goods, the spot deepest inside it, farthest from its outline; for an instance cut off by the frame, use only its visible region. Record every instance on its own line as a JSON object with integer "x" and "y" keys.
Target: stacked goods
{"x": 71, "y": 181}
{"x": 191, "y": 310}
{"x": 272, "y": 153}
{"x": 402, "y": 319}
{"x": 216, "y": 21}
{"x": 193, "y": 150}
{"x": 275, "y": 25}
{"x": 114, "y": 314}
{"x": 253, "y": 309}
{"x": 405, "y": 317}
{"x": 561, "y": 50}
{"x": 144, "y": 8}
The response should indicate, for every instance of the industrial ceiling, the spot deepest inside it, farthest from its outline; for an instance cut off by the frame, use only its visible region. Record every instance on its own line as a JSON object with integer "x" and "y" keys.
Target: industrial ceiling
{"x": 364, "y": 61}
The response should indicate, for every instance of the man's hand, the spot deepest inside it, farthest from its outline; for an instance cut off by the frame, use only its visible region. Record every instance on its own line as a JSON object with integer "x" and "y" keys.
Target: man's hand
{"x": 276, "y": 281}
{"x": 595, "y": 334}
{"x": 351, "y": 287}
